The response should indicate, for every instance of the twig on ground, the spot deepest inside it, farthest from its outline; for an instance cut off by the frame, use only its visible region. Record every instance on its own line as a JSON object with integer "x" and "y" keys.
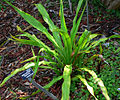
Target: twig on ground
{"x": 70, "y": 5}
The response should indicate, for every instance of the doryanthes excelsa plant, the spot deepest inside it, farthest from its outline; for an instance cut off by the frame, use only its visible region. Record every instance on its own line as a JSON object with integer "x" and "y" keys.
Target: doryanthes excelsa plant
{"x": 67, "y": 55}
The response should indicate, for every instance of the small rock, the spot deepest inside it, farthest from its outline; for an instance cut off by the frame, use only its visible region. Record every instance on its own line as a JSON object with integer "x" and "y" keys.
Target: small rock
{"x": 20, "y": 91}
{"x": 116, "y": 43}
{"x": 27, "y": 83}
{"x": 118, "y": 89}
{"x": 106, "y": 44}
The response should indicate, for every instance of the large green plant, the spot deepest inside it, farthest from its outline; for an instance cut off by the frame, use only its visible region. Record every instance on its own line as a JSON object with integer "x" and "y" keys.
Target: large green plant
{"x": 68, "y": 53}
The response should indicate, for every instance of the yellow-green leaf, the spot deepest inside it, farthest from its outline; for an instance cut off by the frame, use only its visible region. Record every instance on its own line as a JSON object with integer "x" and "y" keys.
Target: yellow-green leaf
{"x": 90, "y": 89}
{"x": 67, "y": 82}
{"x": 99, "y": 81}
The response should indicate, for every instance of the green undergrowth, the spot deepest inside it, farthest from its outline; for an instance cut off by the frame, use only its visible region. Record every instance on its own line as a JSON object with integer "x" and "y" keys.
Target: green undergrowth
{"x": 99, "y": 8}
{"x": 109, "y": 73}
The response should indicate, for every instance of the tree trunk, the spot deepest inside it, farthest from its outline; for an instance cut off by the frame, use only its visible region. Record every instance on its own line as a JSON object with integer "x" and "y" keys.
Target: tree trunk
{"x": 111, "y": 4}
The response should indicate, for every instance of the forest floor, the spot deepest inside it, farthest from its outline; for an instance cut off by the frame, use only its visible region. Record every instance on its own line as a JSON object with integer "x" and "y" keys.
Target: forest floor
{"x": 12, "y": 53}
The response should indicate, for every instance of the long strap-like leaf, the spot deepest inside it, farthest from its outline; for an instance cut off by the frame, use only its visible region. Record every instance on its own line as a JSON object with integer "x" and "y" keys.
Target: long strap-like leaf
{"x": 36, "y": 42}
{"x": 65, "y": 36}
{"x": 81, "y": 43}
{"x": 53, "y": 29}
{"x": 76, "y": 22}
{"x": 48, "y": 20}
{"x": 99, "y": 81}
{"x": 35, "y": 23}
{"x": 26, "y": 66}
{"x": 67, "y": 82}
{"x": 90, "y": 89}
